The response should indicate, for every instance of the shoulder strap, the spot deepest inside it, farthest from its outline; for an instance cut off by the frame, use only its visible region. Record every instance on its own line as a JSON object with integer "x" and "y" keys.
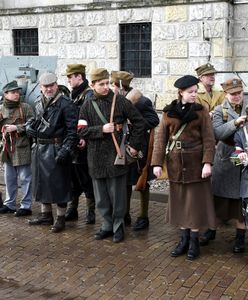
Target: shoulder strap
{"x": 175, "y": 138}
{"x": 99, "y": 113}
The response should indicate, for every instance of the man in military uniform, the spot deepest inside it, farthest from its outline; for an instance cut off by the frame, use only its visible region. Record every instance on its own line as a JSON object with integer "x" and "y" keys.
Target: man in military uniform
{"x": 81, "y": 180}
{"x": 121, "y": 84}
{"x": 103, "y": 133}
{"x": 55, "y": 132}
{"x": 16, "y": 150}
{"x": 208, "y": 94}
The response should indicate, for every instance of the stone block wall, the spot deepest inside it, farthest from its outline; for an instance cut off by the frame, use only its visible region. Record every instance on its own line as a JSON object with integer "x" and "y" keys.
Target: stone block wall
{"x": 184, "y": 36}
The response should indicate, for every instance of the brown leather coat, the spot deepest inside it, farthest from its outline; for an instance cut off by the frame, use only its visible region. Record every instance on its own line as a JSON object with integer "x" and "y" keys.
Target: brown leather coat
{"x": 185, "y": 164}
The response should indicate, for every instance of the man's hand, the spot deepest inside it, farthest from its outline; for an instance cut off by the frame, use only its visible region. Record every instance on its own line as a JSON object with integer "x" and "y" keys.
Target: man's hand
{"x": 108, "y": 128}
{"x": 81, "y": 145}
{"x": 206, "y": 170}
{"x": 157, "y": 171}
{"x": 132, "y": 151}
{"x": 240, "y": 121}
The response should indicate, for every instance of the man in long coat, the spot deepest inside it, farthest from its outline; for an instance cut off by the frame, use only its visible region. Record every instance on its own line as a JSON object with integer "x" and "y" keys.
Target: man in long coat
{"x": 109, "y": 179}
{"x": 55, "y": 132}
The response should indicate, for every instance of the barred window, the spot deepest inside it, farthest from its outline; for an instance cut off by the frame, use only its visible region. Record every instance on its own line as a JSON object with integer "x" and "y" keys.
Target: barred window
{"x": 26, "y": 41}
{"x": 135, "y": 48}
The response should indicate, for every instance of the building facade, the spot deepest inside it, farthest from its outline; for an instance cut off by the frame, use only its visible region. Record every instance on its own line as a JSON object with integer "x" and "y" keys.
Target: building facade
{"x": 156, "y": 40}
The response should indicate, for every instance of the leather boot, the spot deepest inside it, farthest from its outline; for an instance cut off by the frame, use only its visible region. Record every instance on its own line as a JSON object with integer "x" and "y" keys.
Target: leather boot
{"x": 183, "y": 245}
{"x": 71, "y": 214}
{"x": 194, "y": 246}
{"x": 45, "y": 218}
{"x": 207, "y": 236}
{"x": 90, "y": 211}
{"x": 239, "y": 244}
{"x": 59, "y": 224}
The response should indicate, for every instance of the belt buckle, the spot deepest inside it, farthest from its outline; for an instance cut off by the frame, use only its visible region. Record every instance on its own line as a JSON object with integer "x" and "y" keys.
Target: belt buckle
{"x": 178, "y": 145}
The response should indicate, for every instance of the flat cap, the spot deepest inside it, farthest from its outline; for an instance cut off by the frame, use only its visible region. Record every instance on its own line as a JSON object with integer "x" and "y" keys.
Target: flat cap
{"x": 123, "y": 76}
{"x": 99, "y": 74}
{"x": 205, "y": 69}
{"x": 75, "y": 68}
{"x": 186, "y": 81}
{"x": 47, "y": 78}
{"x": 11, "y": 86}
{"x": 232, "y": 85}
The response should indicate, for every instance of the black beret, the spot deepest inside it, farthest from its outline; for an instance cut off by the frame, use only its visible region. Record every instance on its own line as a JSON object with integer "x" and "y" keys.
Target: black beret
{"x": 186, "y": 81}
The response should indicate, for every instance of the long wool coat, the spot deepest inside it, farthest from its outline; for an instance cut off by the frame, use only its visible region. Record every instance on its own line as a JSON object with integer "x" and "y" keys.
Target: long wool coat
{"x": 51, "y": 179}
{"x": 21, "y": 143}
{"x": 101, "y": 149}
{"x": 226, "y": 176}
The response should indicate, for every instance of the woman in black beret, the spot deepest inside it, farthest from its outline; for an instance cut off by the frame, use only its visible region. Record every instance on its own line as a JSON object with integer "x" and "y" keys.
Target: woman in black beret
{"x": 185, "y": 137}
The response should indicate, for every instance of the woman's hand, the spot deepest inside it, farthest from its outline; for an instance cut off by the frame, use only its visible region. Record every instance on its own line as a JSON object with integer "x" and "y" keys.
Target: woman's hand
{"x": 206, "y": 170}
{"x": 157, "y": 171}
{"x": 10, "y": 128}
{"x": 243, "y": 156}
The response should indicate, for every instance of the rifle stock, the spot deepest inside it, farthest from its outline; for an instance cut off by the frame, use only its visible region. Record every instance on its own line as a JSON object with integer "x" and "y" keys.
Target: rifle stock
{"x": 142, "y": 181}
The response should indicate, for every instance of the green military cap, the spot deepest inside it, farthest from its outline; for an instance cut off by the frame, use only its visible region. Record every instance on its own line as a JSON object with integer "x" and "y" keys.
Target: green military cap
{"x": 11, "y": 86}
{"x": 123, "y": 76}
{"x": 232, "y": 86}
{"x": 47, "y": 78}
{"x": 75, "y": 68}
{"x": 205, "y": 69}
{"x": 99, "y": 74}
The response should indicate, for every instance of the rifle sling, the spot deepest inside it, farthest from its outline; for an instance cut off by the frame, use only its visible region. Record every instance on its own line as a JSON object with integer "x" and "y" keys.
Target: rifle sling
{"x": 104, "y": 120}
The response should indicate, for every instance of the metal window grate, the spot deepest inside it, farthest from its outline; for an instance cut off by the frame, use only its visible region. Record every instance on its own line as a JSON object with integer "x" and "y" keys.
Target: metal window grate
{"x": 26, "y": 41}
{"x": 135, "y": 43}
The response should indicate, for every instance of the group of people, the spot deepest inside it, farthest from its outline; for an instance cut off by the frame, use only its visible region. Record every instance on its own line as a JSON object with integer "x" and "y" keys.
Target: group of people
{"x": 99, "y": 141}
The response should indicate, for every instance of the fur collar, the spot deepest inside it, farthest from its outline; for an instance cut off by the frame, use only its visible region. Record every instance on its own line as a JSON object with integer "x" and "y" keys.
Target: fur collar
{"x": 134, "y": 95}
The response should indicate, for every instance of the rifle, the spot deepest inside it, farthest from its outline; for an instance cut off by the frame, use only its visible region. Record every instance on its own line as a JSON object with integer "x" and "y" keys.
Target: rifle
{"x": 142, "y": 181}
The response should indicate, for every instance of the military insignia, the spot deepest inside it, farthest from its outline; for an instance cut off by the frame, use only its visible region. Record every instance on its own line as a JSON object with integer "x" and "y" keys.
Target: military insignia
{"x": 235, "y": 82}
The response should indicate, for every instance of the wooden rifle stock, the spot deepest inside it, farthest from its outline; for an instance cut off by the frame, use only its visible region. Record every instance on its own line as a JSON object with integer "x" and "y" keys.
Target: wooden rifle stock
{"x": 142, "y": 181}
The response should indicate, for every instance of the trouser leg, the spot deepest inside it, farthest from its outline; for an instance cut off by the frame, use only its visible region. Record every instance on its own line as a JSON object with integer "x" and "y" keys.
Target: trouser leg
{"x": 11, "y": 185}
{"x": 25, "y": 176}
{"x": 144, "y": 202}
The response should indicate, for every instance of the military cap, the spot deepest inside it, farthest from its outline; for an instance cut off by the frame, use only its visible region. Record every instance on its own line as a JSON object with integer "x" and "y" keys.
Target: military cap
{"x": 47, "y": 78}
{"x": 75, "y": 68}
{"x": 232, "y": 85}
{"x": 186, "y": 81}
{"x": 99, "y": 74}
{"x": 11, "y": 86}
{"x": 205, "y": 69}
{"x": 123, "y": 76}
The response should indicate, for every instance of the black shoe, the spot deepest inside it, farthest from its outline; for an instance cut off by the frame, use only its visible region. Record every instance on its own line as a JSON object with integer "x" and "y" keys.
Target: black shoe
{"x": 239, "y": 244}
{"x": 194, "y": 246}
{"x": 183, "y": 246}
{"x": 207, "y": 236}
{"x": 127, "y": 220}
{"x": 42, "y": 219}
{"x": 1, "y": 199}
{"x": 71, "y": 214}
{"x": 21, "y": 212}
{"x": 118, "y": 235}
{"x": 102, "y": 234}
{"x": 141, "y": 224}
{"x": 90, "y": 217}
{"x": 59, "y": 224}
{"x": 6, "y": 210}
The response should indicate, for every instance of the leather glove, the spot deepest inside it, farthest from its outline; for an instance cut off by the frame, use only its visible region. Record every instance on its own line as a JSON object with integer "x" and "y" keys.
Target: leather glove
{"x": 31, "y": 132}
{"x": 62, "y": 156}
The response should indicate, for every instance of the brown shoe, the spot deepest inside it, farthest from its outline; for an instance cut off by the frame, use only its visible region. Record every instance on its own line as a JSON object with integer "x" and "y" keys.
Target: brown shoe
{"x": 59, "y": 224}
{"x": 45, "y": 218}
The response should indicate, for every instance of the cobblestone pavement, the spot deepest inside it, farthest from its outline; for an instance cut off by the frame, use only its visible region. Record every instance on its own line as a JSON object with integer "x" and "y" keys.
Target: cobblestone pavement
{"x": 36, "y": 264}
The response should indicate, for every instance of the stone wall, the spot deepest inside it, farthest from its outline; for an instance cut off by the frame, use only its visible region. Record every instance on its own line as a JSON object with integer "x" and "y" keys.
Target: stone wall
{"x": 183, "y": 36}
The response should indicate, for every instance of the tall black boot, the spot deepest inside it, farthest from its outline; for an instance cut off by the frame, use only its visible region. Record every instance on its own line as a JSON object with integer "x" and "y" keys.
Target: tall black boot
{"x": 194, "y": 246}
{"x": 90, "y": 211}
{"x": 59, "y": 224}
{"x": 239, "y": 244}
{"x": 183, "y": 245}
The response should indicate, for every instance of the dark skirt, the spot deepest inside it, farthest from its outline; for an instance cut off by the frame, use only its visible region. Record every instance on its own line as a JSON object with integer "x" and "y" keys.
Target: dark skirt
{"x": 227, "y": 209}
{"x": 191, "y": 205}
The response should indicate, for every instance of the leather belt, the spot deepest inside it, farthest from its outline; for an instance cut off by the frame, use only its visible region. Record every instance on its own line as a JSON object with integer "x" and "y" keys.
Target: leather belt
{"x": 49, "y": 141}
{"x": 184, "y": 145}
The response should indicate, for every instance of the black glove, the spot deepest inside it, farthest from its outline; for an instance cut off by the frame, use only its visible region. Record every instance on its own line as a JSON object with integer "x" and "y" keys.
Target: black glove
{"x": 63, "y": 156}
{"x": 31, "y": 132}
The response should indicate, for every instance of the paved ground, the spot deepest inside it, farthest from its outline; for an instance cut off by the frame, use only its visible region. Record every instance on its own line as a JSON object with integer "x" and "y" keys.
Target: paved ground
{"x": 36, "y": 264}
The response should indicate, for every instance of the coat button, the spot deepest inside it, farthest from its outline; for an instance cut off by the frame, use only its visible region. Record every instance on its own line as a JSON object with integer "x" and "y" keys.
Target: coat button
{"x": 184, "y": 169}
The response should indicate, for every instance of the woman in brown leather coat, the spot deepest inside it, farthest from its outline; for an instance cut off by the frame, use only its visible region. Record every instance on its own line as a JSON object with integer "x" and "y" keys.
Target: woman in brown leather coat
{"x": 188, "y": 161}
